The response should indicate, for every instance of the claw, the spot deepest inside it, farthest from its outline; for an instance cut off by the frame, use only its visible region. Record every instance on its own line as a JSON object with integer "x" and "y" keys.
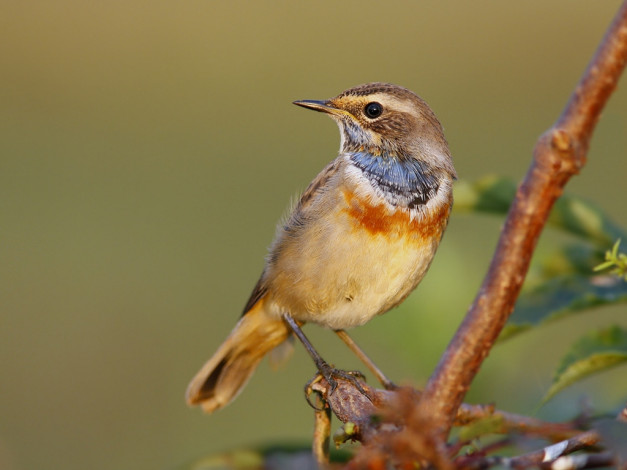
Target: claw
{"x": 353, "y": 376}
{"x": 309, "y": 390}
{"x": 325, "y": 370}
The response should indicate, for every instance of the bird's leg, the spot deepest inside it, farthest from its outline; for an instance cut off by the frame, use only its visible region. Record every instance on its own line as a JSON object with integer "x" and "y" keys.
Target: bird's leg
{"x": 387, "y": 383}
{"x": 325, "y": 370}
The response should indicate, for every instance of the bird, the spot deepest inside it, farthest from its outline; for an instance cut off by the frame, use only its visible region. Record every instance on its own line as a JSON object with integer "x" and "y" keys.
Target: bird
{"x": 356, "y": 244}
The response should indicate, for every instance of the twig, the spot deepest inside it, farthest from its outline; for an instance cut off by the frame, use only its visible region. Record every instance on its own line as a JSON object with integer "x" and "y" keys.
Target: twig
{"x": 544, "y": 458}
{"x": 511, "y": 422}
{"x": 559, "y": 154}
{"x": 391, "y": 407}
{"x": 322, "y": 433}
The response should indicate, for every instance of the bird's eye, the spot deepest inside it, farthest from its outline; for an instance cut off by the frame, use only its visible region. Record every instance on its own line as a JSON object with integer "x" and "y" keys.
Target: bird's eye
{"x": 373, "y": 110}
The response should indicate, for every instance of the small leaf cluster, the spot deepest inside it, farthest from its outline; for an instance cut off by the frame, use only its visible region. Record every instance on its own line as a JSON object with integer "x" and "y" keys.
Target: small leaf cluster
{"x": 615, "y": 261}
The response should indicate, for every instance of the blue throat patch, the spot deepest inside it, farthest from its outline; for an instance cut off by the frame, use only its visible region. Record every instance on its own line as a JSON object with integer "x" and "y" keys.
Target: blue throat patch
{"x": 406, "y": 182}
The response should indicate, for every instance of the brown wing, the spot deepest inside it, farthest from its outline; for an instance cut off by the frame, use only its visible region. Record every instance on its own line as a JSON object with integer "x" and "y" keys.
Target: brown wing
{"x": 258, "y": 292}
{"x": 318, "y": 184}
{"x": 293, "y": 221}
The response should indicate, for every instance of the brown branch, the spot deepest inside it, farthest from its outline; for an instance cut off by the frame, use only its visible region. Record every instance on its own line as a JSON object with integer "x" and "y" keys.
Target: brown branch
{"x": 543, "y": 458}
{"x": 559, "y": 154}
{"x": 391, "y": 437}
{"x": 322, "y": 433}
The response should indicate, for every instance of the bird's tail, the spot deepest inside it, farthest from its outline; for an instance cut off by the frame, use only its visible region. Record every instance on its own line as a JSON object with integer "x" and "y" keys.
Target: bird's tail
{"x": 224, "y": 375}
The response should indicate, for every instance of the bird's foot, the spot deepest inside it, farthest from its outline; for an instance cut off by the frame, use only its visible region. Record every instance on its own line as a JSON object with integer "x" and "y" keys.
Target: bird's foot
{"x": 332, "y": 376}
{"x": 320, "y": 403}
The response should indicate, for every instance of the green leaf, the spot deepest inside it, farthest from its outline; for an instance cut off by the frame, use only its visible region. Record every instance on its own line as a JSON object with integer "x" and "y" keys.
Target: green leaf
{"x": 593, "y": 353}
{"x": 494, "y": 424}
{"x": 491, "y": 194}
{"x": 586, "y": 220}
{"x": 576, "y": 258}
{"x": 571, "y": 214}
{"x": 562, "y": 296}
{"x": 238, "y": 459}
{"x": 567, "y": 283}
{"x": 286, "y": 455}
{"x": 615, "y": 260}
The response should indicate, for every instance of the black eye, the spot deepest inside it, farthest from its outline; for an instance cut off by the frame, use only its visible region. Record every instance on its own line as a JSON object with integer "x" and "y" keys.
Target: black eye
{"x": 373, "y": 110}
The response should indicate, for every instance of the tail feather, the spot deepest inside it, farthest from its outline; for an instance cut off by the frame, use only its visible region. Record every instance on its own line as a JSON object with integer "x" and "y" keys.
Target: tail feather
{"x": 223, "y": 376}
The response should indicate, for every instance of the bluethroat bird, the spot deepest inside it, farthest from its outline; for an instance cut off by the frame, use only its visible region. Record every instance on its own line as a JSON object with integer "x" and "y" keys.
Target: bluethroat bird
{"x": 356, "y": 244}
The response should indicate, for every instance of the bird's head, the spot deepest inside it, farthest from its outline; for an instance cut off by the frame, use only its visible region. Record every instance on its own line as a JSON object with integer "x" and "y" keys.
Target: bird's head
{"x": 387, "y": 120}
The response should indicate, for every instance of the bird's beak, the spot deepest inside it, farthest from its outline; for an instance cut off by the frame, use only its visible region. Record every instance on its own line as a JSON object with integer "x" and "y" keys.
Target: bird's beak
{"x": 322, "y": 106}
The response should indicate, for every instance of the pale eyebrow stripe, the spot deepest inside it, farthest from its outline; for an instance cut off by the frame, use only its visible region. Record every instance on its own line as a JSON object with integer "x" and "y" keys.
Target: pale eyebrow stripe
{"x": 391, "y": 101}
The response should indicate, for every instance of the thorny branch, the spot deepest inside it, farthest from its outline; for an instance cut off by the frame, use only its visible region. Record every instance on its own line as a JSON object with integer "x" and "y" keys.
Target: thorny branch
{"x": 391, "y": 439}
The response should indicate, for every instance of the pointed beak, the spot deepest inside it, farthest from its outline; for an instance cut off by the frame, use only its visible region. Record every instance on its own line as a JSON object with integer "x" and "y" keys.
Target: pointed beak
{"x": 322, "y": 106}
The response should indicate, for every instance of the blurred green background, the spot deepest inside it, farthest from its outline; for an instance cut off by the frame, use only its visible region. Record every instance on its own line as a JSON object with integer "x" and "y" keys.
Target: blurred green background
{"x": 147, "y": 150}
